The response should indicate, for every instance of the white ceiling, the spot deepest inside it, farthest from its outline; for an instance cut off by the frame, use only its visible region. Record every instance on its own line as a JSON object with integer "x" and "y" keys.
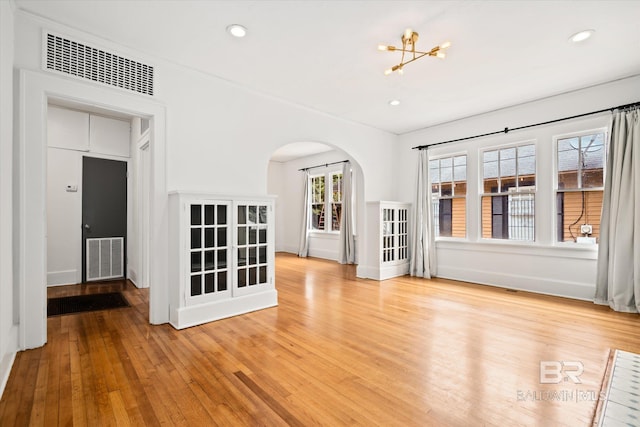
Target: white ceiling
{"x": 323, "y": 54}
{"x": 297, "y": 150}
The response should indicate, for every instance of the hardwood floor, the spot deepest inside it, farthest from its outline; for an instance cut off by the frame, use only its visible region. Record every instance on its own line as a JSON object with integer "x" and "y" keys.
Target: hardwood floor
{"x": 336, "y": 351}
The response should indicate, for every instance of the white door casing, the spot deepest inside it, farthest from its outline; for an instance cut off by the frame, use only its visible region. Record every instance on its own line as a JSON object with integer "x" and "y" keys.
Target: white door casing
{"x": 35, "y": 89}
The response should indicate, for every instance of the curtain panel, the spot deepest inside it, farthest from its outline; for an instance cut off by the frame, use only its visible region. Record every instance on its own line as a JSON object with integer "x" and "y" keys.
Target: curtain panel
{"x": 618, "y": 273}
{"x": 423, "y": 254}
{"x": 347, "y": 250}
{"x": 303, "y": 245}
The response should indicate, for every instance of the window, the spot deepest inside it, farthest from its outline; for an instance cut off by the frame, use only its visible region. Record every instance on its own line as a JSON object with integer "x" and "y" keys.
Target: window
{"x": 508, "y": 200}
{"x": 317, "y": 202}
{"x": 448, "y": 195}
{"x": 336, "y": 201}
{"x": 580, "y": 167}
{"x": 326, "y": 199}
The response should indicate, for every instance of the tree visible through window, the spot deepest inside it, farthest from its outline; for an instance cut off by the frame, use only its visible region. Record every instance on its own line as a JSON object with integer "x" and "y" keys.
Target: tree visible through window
{"x": 326, "y": 202}
{"x": 336, "y": 201}
{"x": 317, "y": 202}
{"x": 580, "y": 186}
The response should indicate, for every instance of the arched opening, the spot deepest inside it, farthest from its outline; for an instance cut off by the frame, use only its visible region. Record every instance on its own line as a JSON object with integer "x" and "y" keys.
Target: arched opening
{"x": 285, "y": 179}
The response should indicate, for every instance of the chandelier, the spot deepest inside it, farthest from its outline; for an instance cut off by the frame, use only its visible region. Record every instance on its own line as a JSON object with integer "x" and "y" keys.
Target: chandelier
{"x": 409, "y": 39}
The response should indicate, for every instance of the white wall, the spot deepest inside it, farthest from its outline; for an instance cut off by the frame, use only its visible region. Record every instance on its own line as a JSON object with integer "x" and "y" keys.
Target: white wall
{"x": 71, "y": 136}
{"x": 543, "y": 266}
{"x": 277, "y": 186}
{"x": 286, "y": 182}
{"x": 219, "y": 139}
{"x": 8, "y": 311}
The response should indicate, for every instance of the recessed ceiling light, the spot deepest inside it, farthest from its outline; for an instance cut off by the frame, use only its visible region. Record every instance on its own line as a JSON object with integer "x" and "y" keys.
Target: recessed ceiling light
{"x": 581, "y": 36}
{"x": 237, "y": 30}
{"x": 394, "y": 102}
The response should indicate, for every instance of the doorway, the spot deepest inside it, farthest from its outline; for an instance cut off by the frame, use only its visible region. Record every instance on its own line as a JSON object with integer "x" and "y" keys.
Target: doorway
{"x": 104, "y": 218}
{"x": 31, "y": 231}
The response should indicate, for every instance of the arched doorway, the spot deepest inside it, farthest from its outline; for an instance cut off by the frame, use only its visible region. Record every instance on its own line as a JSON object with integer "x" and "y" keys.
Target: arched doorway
{"x": 285, "y": 179}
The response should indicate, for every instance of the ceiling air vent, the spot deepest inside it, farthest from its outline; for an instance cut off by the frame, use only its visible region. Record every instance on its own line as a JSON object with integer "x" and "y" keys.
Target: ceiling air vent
{"x": 77, "y": 59}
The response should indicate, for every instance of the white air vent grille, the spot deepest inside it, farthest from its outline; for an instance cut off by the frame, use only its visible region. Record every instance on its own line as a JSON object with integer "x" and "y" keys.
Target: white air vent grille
{"x": 104, "y": 258}
{"x": 77, "y": 59}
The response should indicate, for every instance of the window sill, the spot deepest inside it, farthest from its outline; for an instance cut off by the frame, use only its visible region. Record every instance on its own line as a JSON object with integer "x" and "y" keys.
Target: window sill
{"x": 451, "y": 239}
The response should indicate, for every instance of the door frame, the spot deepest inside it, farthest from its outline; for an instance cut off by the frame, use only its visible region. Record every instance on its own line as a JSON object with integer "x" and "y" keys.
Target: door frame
{"x": 142, "y": 196}
{"x": 30, "y": 244}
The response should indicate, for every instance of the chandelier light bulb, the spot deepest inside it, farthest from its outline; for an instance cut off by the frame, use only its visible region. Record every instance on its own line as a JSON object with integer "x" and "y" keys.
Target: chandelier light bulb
{"x": 445, "y": 45}
{"x": 441, "y": 55}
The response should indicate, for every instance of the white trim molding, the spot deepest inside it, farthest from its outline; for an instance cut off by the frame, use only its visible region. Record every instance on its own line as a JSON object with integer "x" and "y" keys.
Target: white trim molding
{"x": 35, "y": 90}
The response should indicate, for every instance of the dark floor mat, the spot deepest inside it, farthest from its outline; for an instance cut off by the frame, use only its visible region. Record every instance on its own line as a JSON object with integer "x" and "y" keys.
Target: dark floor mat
{"x": 82, "y": 303}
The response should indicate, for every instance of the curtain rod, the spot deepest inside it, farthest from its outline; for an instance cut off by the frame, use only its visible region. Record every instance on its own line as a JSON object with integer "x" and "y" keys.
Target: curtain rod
{"x": 324, "y": 164}
{"x": 506, "y": 130}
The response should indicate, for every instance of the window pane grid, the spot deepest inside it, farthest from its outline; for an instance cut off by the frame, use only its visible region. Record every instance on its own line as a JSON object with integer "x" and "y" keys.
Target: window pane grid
{"x": 252, "y": 245}
{"x": 208, "y": 250}
{"x": 579, "y": 193}
{"x": 326, "y": 202}
{"x": 509, "y": 170}
{"x": 508, "y": 193}
{"x": 448, "y": 190}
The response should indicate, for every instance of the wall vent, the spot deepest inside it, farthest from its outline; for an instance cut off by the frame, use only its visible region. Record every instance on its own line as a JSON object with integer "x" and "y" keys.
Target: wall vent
{"x": 105, "y": 258}
{"x": 77, "y": 59}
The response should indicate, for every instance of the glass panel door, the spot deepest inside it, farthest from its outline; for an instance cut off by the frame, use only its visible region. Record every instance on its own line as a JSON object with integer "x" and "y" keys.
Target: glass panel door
{"x": 252, "y": 242}
{"x": 208, "y": 243}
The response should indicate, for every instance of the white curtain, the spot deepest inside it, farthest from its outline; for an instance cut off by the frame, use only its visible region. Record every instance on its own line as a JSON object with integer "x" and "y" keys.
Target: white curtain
{"x": 347, "y": 252}
{"x": 303, "y": 246}
{"x": 618, "y": 275}
{"x": 423, "y": 254}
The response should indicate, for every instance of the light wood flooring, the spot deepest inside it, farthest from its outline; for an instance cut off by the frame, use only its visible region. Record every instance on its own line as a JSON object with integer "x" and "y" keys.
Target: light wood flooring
{"x": 336, "y": 351}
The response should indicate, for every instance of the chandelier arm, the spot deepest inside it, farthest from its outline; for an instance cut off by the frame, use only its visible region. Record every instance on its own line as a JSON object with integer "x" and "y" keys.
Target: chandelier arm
{"x": 409, "y": 51}
{"x": 402, "y": 64}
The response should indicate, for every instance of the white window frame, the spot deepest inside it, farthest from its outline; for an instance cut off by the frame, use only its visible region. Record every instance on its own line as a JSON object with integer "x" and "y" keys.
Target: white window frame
{"x": 555, "y": 189}
{"x": 454, "y": 196}
{"x": 527, "y": 190}
{"x": 328, "y": 201}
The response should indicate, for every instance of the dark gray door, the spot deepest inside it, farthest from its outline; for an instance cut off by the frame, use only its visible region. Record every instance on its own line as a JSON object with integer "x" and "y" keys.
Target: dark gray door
{"x": 104, "y": 204}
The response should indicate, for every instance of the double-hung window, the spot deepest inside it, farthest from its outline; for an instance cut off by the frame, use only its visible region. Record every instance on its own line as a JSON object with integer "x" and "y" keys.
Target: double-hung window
{"x": 508, "y": 199}
{"x": 326, "y": 201}
{"x": 448, "y": 195}
{"x": 580, "y": 180}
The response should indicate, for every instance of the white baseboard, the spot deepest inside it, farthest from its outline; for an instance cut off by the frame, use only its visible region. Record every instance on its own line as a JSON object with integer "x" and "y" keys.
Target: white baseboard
{"x": 365, "y": 272}
{"x": 204, "y": 313}
{"x": 382, "y": 272}
{"x": 289, "y": 249}
{"x": 538, "y": 285}
{"x": 9, "y": 356}
{"x": 133, "y": 276}
{"x": 59, "y": 278}
{"x": 324, "y": 254}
